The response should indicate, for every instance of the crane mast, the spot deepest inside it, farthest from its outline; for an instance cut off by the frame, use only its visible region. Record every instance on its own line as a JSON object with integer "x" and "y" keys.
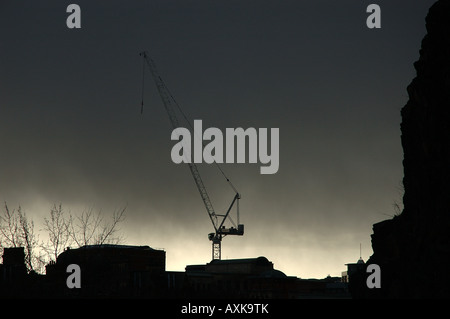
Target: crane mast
{"x": 220, "y": 230}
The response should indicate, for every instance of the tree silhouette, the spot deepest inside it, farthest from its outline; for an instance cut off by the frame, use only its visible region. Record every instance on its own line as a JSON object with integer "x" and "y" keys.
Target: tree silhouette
{"x": 61, "y": 229}
{"x": 58, "y": 229}
{"x": 16, "y": 230}
{"x": 91, "y": 229}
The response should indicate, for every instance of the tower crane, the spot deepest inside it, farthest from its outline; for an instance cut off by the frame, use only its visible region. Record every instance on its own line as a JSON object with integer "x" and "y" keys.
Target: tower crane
{"x": 217, "y": 220}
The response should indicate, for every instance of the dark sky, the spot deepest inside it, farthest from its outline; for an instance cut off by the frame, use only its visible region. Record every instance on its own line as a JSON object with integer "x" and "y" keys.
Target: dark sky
{"x": 71, "y": 131}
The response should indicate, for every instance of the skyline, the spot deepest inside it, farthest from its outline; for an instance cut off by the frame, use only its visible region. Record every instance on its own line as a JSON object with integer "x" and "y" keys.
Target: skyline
{"x": 72, "y": 133}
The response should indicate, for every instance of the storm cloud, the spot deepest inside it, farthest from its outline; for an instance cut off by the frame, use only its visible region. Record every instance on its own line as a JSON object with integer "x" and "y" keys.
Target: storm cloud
{"x": 71, "y": 131}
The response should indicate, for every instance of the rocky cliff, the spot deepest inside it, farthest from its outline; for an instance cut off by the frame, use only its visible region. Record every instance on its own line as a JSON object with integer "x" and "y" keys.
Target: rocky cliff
{"x": 413, "y": 249}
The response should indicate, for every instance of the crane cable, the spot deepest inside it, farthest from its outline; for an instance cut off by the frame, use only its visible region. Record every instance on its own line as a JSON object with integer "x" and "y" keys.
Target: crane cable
{"x": 190, "y": 125}
{"x": 184, "y": 116}
{"x": 143, "y": 81}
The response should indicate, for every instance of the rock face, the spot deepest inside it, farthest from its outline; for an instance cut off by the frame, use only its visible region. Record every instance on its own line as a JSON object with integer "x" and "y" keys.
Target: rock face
{"x": 413, "y": 249}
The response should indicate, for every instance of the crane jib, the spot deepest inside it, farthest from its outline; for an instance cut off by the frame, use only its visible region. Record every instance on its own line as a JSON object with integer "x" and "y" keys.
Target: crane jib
{"x": 220, "y": 229}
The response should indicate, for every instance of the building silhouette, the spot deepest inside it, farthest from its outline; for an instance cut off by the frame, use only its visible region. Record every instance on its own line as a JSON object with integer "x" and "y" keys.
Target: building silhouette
{"x": 355, "y": 276}
{"x": 124, "y": 271}
{"x": 110, "y": 271}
